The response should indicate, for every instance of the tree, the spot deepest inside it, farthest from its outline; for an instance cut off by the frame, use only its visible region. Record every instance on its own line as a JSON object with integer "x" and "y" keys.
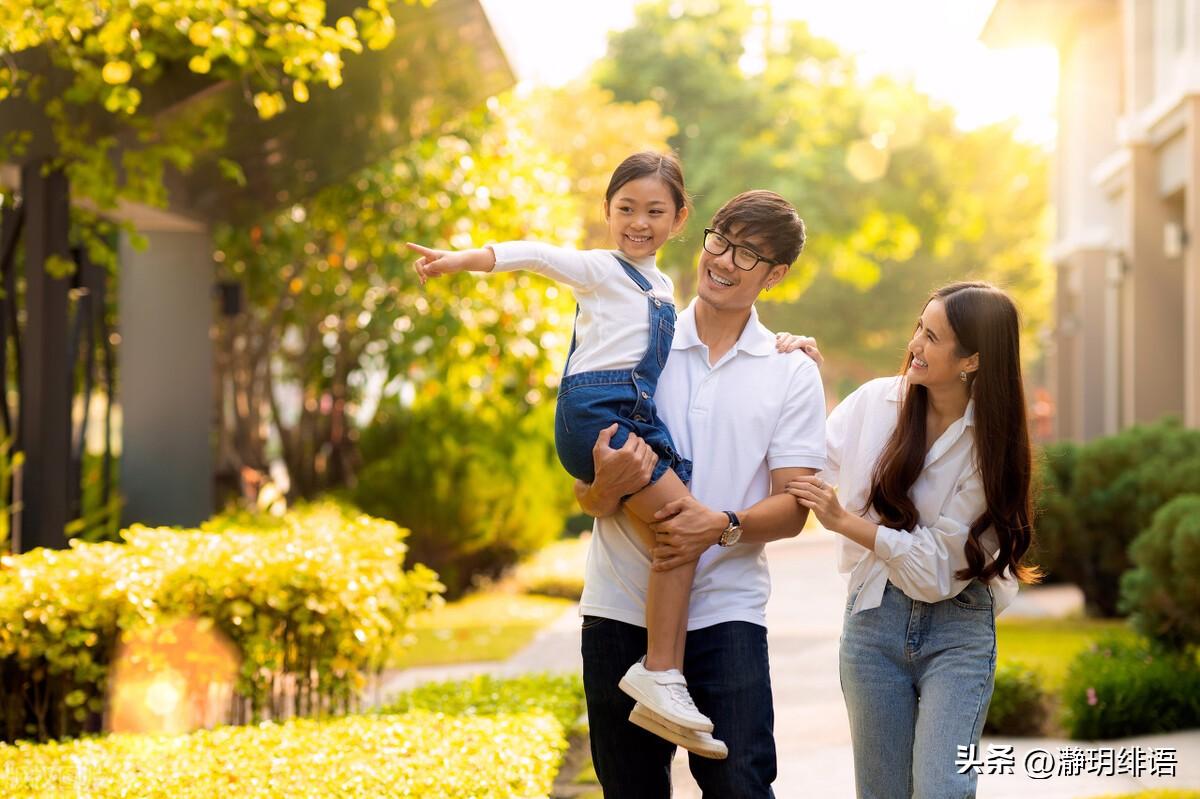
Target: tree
{"x": 83, "y": 70}
{"x": 896, "y": 199}
{"x": 335, "y": 310}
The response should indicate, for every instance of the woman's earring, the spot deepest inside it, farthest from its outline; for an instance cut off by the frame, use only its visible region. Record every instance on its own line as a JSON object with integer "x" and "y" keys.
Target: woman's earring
{"x": 962, "y": 376}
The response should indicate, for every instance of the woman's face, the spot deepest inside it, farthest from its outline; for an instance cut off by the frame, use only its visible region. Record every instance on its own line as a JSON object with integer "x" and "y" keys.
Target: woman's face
{"x": 935, "y": 361}
{"x": 642, "y": 216}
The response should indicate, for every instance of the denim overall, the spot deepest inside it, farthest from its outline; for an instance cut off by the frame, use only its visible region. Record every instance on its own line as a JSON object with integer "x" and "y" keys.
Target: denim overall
{"x": 589, "y": 402}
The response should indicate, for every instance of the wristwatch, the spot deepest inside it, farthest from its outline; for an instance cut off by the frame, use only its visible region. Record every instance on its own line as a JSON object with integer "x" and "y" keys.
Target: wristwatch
{"x": 731, "y": 534}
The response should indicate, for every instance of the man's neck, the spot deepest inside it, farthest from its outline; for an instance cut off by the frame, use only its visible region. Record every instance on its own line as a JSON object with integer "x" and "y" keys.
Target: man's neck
{"x": 718, "y": 329}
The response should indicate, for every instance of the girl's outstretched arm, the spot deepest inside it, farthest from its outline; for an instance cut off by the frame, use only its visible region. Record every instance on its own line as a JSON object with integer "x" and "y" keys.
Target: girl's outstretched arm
{"x": 447, "y": 262}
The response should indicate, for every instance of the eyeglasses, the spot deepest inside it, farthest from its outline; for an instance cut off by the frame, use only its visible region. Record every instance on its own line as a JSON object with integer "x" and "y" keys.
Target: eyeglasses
{"x": 744, "y": 258}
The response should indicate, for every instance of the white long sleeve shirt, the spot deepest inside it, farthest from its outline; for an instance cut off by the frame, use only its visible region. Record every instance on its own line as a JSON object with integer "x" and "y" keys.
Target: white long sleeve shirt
{"x": 613, "y": 327}
{"x": 948, "y": 495}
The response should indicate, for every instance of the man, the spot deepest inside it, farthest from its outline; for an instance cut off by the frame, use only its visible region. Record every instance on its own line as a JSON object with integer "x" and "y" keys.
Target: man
{"x": 750, "y": 419}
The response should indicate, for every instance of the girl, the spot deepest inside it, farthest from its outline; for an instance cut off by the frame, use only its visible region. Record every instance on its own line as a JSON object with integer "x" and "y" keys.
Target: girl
{"x": 625, "y": 320}
{"x": 937, "y": 462}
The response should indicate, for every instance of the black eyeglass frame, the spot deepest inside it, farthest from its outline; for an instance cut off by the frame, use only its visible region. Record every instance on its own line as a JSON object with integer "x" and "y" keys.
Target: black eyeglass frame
{"x": 708, "y": 231}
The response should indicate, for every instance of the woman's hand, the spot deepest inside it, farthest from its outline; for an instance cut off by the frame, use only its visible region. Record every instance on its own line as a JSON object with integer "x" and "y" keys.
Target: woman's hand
{"x": 788, "y": 342}
{"x": 821, "y": 498}
{"x": 433, "y": 263}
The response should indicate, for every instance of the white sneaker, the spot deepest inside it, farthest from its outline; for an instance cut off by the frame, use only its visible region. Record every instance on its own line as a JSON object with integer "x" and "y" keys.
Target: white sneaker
{"x": 701, "y": 743}
{"x": 665, "y": 693}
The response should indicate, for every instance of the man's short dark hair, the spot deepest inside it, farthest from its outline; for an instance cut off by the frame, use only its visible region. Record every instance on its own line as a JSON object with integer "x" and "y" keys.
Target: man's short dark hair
{"x": 768, "y": 217}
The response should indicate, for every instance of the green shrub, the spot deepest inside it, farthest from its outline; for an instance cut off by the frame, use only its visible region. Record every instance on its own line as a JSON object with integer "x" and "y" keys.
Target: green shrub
{"x": 318, "y": 597}
{"x": 477, "y": 492}
{"x": 418, "y": 754}
{"x": 1118, "y": 689}
{"x": 1055, "y": 521}
{"x": 1118, "y": 484}
{"x": 1018, "y": 703}
{"x": 1162, "y": 593}
{"x": 560, "y": 695}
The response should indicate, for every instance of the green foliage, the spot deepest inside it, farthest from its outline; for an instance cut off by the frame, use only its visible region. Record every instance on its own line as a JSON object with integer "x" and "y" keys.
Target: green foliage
{"x": 1118, "y": 484}
{"x": 112, "y": 53}
{"x": 420, "y": 753}
{"x": 1162, "y": 592}
{"x": 319, "y": 596}
{"x": 1055, "y": 523}
{"x": 897, "y": 198}
{"x": 337, "y": 310}
{"x": 560, "y": 695}
{"x": 1120, "y": 688}
{"x": 479, "y": 491}
{"x": 1018, "y": 703}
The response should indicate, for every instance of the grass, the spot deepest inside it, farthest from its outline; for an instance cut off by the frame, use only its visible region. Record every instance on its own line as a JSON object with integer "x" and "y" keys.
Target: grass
{"x": 480, "y": 627}
{"x": 1049, "y": 645}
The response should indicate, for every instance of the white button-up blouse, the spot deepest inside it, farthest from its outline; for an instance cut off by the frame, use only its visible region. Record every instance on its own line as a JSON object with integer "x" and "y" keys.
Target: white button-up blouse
{"x": 948, "y": 496}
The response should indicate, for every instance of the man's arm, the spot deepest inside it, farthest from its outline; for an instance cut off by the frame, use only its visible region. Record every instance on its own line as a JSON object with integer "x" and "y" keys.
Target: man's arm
{"x": 689, "y": 527}
{"x": 619, "y": 473}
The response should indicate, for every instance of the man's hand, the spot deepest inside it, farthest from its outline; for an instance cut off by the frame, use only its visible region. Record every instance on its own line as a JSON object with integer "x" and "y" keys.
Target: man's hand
{"x": 686, "y": 528}
{"x": 619, "y": 472}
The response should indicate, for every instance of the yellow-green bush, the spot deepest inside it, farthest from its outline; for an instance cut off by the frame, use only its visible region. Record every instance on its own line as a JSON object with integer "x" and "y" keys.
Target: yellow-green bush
{"x": 319, "y": 597}
{"x": 417, "y": 754}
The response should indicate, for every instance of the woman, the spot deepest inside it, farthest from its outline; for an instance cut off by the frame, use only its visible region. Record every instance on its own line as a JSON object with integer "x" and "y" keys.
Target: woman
{"x": 933, "y": 470}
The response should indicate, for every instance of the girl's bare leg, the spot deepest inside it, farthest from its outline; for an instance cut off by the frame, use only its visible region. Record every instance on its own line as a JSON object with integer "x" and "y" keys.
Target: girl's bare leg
{"x": 668, "y": 592}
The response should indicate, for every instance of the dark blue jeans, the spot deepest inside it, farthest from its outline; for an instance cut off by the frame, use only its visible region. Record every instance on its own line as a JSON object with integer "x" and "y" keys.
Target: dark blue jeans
{"x": 728, "y": 676}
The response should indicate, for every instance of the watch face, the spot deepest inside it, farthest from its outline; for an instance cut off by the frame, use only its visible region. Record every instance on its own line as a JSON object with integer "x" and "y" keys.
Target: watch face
{"x": 735, "y": 534}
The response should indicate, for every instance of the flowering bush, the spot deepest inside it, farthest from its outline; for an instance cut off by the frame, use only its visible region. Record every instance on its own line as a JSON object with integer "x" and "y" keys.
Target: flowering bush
{"x": 1118, "y": 689}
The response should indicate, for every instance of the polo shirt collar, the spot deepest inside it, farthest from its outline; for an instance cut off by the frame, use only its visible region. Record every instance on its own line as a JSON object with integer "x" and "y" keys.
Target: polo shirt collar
{"x": 755, "y": 339}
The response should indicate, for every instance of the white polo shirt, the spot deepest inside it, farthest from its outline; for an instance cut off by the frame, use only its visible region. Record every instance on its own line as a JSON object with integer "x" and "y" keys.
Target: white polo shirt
{"x": 753, "y": 411}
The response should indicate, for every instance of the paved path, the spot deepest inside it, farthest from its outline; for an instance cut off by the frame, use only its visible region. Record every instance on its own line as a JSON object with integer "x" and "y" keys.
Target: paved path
{"x": 804, "y": 617}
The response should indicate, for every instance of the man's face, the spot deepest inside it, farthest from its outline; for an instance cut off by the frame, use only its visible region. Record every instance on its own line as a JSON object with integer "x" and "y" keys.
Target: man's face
{"x": 723, "y": 285}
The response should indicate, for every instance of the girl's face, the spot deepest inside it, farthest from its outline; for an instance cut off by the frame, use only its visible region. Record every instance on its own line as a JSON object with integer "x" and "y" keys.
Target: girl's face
{"x": 935, "y": 360}
{"x": 642, "y": 216}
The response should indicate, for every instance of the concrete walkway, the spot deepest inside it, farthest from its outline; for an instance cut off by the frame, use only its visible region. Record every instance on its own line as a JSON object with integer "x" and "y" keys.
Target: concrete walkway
{"x": 812, "y": 734}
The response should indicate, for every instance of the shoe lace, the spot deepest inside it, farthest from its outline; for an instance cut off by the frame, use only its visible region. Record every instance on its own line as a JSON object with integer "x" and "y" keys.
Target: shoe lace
{"x": 681, "y": 696}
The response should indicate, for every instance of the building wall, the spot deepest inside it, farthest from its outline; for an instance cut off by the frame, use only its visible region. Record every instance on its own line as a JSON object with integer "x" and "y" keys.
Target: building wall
{"x": 1127, "y": 197}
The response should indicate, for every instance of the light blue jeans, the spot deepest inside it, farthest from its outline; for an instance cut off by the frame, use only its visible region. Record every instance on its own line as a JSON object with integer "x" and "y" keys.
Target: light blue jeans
{"x": 917, "y": 678}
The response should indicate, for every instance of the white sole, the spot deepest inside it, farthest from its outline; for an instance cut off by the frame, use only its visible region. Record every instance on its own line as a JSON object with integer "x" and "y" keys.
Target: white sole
{"x": 632, "y": 690}
{"x": 680, "y": 736}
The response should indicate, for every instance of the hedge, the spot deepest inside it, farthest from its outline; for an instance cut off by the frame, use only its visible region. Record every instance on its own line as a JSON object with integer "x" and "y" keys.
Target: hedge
{"x": 1119, "y": 689}
{"x": 417, "y": 754}
{"x": 1098, "y": 498}
{"x": 313, "y": 603}
{"x": 1162, "y": 592}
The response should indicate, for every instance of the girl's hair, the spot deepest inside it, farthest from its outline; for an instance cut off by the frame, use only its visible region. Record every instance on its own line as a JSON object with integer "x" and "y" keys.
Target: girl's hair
{"x": 664, "y": 166}
{"x": 984, "y": 321}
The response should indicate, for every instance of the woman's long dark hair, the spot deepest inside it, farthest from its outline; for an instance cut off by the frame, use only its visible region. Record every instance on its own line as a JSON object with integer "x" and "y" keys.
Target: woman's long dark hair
{"x": 984, "y": 321}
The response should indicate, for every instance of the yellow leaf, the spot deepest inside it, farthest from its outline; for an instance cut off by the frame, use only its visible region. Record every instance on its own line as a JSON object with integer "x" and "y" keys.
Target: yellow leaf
{"x": 200, "y": 34}
{"x": 199, "y": 64}
{"x": 117, "y": 72}
{"x": 268, "y": 104}
{"x": 300, "y": 91}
